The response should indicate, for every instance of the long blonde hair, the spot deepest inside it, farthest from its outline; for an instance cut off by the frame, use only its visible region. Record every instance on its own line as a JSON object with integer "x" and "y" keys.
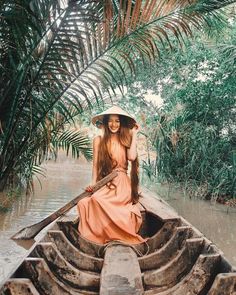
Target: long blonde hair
{"x": 106, "y": 164}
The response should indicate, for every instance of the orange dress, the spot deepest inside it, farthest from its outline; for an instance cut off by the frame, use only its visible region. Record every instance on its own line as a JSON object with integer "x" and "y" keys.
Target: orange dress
{"x": 109, "y": 214}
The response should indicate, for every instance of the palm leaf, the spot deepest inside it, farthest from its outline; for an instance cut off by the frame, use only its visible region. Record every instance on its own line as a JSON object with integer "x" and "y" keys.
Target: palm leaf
{"x": 65, "y": 51}
{"x": 73, "y": 141}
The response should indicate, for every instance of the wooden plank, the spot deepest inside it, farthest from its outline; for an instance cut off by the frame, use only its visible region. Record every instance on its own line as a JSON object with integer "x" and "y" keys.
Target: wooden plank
{"x": 162, "y": 236}
{"x": 121, "y": 274}
{"x": 224, "y": 284}
{"x": 19, "y": 287}
{"x": 63, "y": 270}
{"x": 151, "y": 202}
{"x": 72, "y": 254}
{"x": 200, "y": 276}
{"x": 166, "y": 253}
{"x": 169, "y": 274}
{"x": 196, "y": 232}
{"x": 37, "y": 270}
{"x": 197, "y": 281}
{"x": 79, "y": 242}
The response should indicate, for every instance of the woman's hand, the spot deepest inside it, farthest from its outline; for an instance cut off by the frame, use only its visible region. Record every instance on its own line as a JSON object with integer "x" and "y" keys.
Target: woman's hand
{"x": 132, "y": 150}
{"x": 135, "y": 129}
{"x": 89, "y": 189}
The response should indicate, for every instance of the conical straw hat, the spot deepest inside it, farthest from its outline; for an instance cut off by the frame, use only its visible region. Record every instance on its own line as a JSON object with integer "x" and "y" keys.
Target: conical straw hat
{"x": 114, "y": 110}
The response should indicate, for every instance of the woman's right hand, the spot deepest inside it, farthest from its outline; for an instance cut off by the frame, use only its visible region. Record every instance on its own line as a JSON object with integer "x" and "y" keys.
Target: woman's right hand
{"x": 89, "y": 189}
{"x": 135, "y": 129}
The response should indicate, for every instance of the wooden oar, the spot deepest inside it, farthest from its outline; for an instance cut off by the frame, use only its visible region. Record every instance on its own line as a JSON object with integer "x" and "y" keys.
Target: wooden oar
{"x": 31, "y": 231}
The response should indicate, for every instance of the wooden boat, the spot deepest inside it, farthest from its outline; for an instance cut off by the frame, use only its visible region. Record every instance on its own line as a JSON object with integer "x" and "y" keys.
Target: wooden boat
{"x": 176, "y": 260}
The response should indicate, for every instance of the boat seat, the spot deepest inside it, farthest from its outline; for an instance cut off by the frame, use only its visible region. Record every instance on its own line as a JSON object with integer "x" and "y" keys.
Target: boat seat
{"x": 121, "y": 273}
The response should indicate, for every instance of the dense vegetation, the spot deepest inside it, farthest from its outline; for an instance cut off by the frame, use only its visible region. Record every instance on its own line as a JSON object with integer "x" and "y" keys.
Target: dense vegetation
{"x": 194, "y": 132}
{"x": 59, "y": 58}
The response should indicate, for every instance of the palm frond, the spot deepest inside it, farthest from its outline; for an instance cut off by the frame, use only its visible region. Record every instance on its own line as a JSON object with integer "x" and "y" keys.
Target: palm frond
{"x": 73, "y": 141}
{"x": 229, "y": 52}
{"x": 69, "y": 52}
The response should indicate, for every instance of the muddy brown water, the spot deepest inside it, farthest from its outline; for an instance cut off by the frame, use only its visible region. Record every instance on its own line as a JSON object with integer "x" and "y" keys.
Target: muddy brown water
{"x": 217, "y": 222}
{"x": 66, "y": 179}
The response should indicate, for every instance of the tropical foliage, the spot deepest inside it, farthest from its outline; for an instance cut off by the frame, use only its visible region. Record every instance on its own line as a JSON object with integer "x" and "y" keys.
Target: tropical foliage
{"x": 195, "y": 130}
{"x": 58, "y": 58}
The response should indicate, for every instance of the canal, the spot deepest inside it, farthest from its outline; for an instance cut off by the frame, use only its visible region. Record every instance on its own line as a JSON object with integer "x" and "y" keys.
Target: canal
{"x": 67, "y": 178}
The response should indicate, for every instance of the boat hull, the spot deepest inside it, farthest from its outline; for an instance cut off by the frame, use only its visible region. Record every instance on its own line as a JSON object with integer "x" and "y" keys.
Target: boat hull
{"x": 175, "y": 260}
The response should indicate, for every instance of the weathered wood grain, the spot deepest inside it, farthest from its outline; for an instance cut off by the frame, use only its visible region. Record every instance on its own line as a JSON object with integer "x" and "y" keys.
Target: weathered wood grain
{"x": 162, "y": 236}
{"x": 198, "y": 279}
{"x": 19, "y": 287}
{"x": 72, "y": 234}
{"x": 63, "y": 270}
{"x": 224, "y": 284}
{"x": 161, "y": 256}
{"x": 67, "y": 227}
{"x": 72, "y": 254}
{"x": 151, "y": 202}
{"x": 169, "y": 274}
{"x": 121, "y": 273}
{"x": 37, "y": 270}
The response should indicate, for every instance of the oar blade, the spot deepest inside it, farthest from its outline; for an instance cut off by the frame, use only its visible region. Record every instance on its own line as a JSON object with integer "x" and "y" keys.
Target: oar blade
{"x": 28, "y": 232}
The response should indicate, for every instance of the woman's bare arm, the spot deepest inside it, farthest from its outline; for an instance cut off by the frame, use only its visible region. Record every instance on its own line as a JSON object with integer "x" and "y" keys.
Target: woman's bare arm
{"x": 96, "y": 143}
{"x": 132, "y": 151}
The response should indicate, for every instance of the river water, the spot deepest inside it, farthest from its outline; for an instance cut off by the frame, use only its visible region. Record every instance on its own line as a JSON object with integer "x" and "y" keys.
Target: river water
{"x": 217, "y": 222}
{"x": 66, "y": 179}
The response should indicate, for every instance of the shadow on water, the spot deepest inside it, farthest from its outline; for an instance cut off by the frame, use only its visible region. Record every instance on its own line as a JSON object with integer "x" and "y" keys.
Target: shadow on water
{"x": 217, "y": 222}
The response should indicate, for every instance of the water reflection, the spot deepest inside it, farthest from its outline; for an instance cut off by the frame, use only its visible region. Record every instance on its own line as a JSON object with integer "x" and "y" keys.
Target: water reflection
{"x": 65, "y": 180}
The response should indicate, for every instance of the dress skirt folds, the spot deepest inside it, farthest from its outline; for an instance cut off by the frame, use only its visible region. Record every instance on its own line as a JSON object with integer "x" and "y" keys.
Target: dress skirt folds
{"x": 109, "y": 214}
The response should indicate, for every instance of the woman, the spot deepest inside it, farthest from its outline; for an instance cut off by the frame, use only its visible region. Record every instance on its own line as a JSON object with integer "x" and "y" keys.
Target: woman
{"x": 112, "y": 212}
